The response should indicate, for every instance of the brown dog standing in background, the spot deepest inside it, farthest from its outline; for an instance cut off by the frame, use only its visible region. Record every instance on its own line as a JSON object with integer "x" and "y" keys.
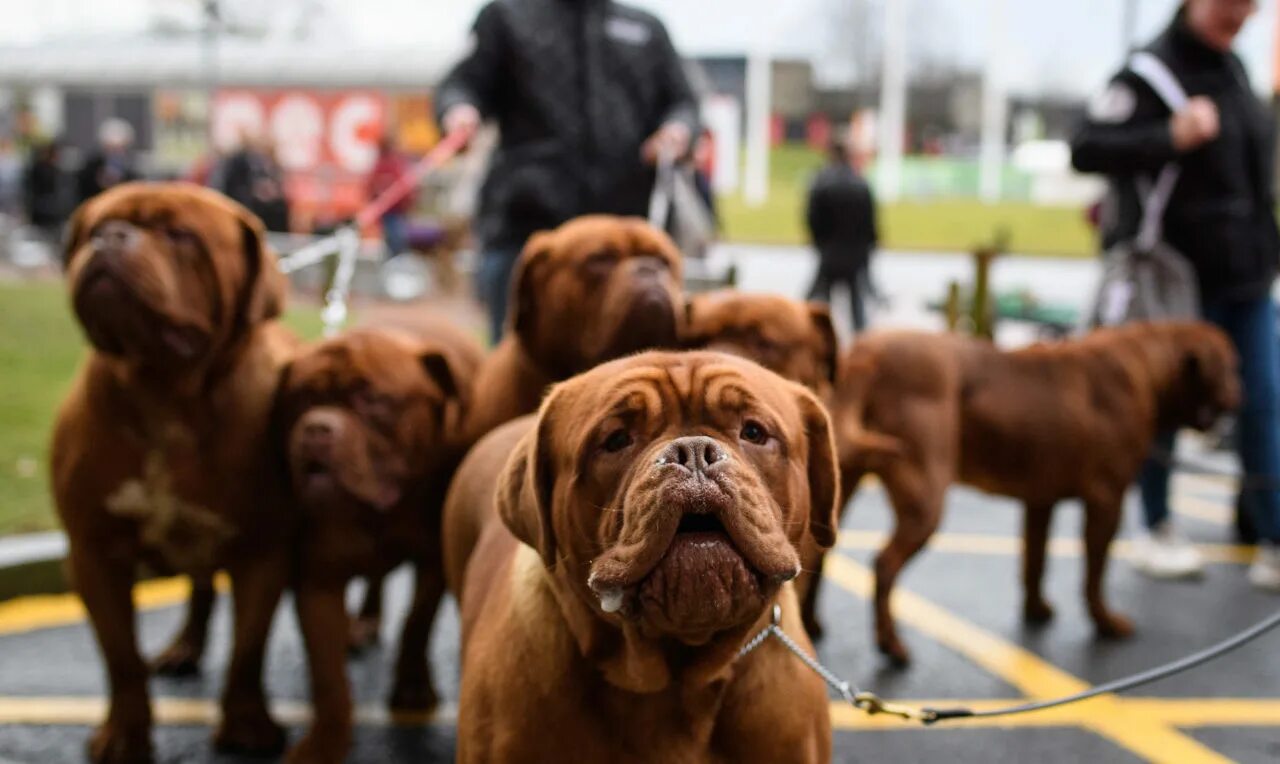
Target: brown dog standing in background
{"x": 372, "y": 424}
{"x": 594, "y": 289}
{"x": 161, "y": 451}
{"x": 636, "y": 534}
{"x": 1043, "y": 424}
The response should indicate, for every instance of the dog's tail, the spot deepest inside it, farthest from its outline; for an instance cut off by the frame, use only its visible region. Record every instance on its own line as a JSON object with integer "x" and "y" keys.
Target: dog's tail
{"x": 861, "y": 448}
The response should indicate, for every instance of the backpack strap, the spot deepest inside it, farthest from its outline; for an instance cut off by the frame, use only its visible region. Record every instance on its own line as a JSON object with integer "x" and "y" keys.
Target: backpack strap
{"x": 1157, "y": 75}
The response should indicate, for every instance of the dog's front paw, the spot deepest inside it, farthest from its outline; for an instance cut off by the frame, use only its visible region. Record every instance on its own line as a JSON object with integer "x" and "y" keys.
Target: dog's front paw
{"x": 1112, "y": 626}
{"x": 893, "y": 649}
{"x": 180, "y": 659}
{"x": 316, "y": 749}
{"x": 414, "y": 695}
{"x": 116, "y": 744}
{"x": 251, "y": 734}
{"x": 363, "y": 633}
{"x": 1037, "y": 612}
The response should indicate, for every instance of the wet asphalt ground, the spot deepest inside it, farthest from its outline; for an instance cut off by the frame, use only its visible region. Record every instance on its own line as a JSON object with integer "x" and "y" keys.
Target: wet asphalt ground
{"x": 958, "y": 610}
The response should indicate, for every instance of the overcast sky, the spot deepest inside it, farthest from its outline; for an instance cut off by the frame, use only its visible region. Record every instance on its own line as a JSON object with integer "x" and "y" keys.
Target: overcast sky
{"x": 1061, "y": 45}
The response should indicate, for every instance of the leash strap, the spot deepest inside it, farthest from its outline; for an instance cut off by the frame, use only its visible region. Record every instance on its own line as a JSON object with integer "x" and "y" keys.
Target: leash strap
{"x": 872, "y": 704}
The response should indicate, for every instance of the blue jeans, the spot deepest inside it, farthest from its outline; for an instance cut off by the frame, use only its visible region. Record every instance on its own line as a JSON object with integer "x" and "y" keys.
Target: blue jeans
{"x": 1252, "y": 328}
{"x": 493, "y": 284}
{"x": 395, "y": 233}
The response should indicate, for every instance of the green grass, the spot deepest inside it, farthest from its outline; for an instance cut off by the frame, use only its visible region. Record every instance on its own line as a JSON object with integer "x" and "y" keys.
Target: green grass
{"x": 937, "y": 225}
{"x": 40, "y": 347}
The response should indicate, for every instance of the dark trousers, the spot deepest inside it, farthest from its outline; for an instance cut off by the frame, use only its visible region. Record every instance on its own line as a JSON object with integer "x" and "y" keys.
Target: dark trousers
{"x": 853, "y": 279}
{"x": 1252, "y": 328}
{"x": 493, "y": 282}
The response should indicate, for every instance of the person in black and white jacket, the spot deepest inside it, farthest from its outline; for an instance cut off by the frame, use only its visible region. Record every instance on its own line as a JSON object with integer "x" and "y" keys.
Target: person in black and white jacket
{"x": 587, "y": 94}
{"x": 1221, "y": 218}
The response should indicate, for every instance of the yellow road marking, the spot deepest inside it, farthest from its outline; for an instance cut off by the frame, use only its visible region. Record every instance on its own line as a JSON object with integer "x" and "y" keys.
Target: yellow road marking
{"x": 1036, "y": 678}
{"x": 1178, "y": 712}
{"x": 48, "y": 611}
{"x": 1218, "y": 513}
{"x": 88, "y": 712}
{"x": 991, "y": 544}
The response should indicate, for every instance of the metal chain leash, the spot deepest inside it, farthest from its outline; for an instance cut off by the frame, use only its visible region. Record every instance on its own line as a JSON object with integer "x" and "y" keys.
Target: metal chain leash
{"x": 869, "y": 702}
{"x": 873, "y": 704}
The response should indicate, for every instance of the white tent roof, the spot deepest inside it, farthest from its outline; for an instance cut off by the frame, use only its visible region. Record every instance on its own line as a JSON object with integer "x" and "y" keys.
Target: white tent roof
{"x": 148, "y": 62}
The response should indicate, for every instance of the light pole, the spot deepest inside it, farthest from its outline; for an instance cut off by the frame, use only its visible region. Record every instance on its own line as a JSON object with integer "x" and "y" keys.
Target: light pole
{"x": 1130, "y": 24}
{"x": 893, "y": 101}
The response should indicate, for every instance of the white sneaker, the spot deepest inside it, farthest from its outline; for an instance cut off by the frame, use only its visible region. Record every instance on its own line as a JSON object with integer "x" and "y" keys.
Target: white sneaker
{"x": 1264, "y": 573}
{"x": 1164, "y": 553}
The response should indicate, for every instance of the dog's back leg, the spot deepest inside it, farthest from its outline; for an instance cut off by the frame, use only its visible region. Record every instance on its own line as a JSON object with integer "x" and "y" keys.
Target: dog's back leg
{"x": 1101, "y": 520}
{"x": 182, "y": 656}
{"x": 917, "y": 497}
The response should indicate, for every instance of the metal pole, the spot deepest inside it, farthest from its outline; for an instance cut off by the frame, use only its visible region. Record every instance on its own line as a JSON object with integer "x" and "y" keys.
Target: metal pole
{"x": 759, "y": 106}
{"x": 893, "y": 100}
{"x": 1130, "y": 24}
{"x": 995, "y": 107}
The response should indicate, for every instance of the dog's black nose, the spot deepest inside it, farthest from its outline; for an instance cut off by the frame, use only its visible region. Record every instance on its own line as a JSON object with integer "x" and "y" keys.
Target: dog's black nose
{"x": 694, "y": 453}
{"x": 314, "y": 430}
{"x": 116, "y": 236}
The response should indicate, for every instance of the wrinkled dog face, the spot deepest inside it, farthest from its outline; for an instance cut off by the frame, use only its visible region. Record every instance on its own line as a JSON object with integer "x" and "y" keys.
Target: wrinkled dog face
{"x": 793, "y": 339}
{"x": 595, "y": 289}
{"x": 364, "y": 416}
{"x": 675, "y": 489}
{"x": 165, "y": 274}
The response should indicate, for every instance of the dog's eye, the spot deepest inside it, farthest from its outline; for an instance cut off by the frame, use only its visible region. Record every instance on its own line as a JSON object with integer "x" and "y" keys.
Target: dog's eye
{"x": 600, "y": 263}
{"x": 180, "y": 235}
{"x": 617, "y": 440}
{"x": 754, "y": 432}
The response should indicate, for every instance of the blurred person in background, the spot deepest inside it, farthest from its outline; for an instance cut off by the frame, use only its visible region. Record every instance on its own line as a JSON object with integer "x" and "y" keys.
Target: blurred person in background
{"x": 113, "y": 162}
{"x": 390, "y": 167}
{"x": 587, "y": 94}
{"x": 1221, "y": 217}
{"x": 46, "y": 191}
{"x": 252, "y": 176}
{"x": 841, "y": 215}
{"x": 11, "y": 172}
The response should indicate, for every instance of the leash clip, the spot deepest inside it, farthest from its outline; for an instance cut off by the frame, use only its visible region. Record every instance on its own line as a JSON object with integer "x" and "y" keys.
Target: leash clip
{"x": 873, "y": 704}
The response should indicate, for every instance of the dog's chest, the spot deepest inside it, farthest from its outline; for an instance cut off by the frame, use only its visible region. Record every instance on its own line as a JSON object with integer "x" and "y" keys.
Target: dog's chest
{"x": 178, "y": 501}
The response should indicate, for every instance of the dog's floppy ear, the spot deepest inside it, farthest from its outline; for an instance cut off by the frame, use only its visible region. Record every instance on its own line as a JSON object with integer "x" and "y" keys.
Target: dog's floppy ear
{"x": 525, "y": 489}
{"x": 692, "y": 338}
{"x": 265, "y": 286}
{"x": 443, "y": 369}
{"x": 523, "y": 301}
{"x": 77, "y": 233}
{"x": 829, "y": 344}
{"x": 823, "y": 470}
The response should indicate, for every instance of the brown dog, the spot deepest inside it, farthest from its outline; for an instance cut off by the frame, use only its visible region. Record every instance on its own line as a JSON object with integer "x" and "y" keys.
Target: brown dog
{"x": 1051, "y": 422}
{"x": 371, "y": 422}
{"x": 161, "y": 452}
{"x": 643, "y": 527}
{"x": 793, "y": 339}
{"x": 594, "y": 289}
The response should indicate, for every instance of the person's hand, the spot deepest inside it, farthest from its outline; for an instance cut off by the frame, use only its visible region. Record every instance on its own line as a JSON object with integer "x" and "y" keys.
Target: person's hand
{"x": 671, "y": 141}
{"x": 463, "y": 120}
{"x": 1195, "y": 125}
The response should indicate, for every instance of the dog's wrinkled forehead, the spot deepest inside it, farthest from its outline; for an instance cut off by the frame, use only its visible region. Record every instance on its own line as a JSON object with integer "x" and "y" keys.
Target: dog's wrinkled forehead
{"x": 592, "y": 236}
{"x": 358, "y": 361}
{"x": 673, "y": 390}
{"x": 168, "y": 208}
